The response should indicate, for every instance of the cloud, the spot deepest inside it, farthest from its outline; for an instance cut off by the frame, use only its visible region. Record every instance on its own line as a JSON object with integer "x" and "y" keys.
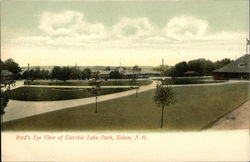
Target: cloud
{"x": 186, "y": 28}
{"x": 70, "y": 28}
{"x": 133, "y": 28}
{"x": 70, "y": 23}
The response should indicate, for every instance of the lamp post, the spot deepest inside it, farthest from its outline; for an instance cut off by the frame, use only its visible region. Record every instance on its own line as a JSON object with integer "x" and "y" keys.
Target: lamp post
{"x": 28, "y": 74}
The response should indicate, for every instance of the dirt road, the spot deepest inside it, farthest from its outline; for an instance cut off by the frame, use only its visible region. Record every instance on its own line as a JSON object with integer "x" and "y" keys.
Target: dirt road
{"x": 237, "y": 119}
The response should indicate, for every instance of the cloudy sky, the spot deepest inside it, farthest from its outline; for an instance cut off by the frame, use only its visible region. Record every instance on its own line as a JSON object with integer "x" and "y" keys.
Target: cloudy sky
{"x": 103, "y": 33}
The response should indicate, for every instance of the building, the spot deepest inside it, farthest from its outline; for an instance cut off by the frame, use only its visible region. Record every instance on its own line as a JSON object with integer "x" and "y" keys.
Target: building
{"x": 130, "y": 74}
{"x": 238, "y": 69}
{"x": 6, "y": 76}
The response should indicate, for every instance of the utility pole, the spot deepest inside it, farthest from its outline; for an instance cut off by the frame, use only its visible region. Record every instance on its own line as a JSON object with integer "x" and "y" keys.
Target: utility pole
{"x": 162, "y": 62}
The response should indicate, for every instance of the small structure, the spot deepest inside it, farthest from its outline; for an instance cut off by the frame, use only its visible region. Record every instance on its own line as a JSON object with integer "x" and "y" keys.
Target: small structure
{"x": 6, "y": 76}
{"x": 238, "y": 69}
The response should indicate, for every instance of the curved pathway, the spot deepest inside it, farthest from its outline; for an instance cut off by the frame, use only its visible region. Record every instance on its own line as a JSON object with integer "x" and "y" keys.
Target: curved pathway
{"x": 21, "y": 109}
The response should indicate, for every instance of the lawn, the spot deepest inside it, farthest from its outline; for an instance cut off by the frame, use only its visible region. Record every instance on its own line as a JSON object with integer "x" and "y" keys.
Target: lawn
{"x": 196, "y": 107}
{"x": 87, "y": 83}
{"x": 53, "y": 94}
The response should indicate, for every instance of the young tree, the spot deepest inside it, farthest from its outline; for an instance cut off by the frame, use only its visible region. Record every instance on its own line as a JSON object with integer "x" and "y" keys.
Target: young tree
{"x": 164, "y": 96}
{"x": 95, "y": 91}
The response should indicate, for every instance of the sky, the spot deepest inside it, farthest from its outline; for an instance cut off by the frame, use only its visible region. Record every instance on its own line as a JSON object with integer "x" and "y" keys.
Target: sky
{"x": 106, "y": 33}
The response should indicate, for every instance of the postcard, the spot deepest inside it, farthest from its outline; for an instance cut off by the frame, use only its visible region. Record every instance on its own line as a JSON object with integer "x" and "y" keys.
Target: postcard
{"x": 125, "y": 80}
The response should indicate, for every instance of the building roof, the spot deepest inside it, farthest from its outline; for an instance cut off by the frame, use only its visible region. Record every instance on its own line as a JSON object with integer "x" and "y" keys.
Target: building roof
{"x": 240, "y": 65}
{"x": 6, "y": 73}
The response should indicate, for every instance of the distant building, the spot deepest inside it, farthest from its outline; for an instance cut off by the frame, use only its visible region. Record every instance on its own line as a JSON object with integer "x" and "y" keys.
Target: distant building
{"x": 238, "y": 69}
{"x": 6, "y": 76}
{"x": 129, "y": 73}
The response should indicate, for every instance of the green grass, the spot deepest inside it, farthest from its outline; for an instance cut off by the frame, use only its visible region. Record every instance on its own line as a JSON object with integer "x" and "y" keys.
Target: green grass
{"x": 195, "y": 108}
{"x": 86, "y": 83}
{"x": 52, "y": 94}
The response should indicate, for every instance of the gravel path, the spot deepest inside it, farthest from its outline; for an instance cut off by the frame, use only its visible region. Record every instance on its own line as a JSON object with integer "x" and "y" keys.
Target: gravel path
{"x": 237, "y": 119}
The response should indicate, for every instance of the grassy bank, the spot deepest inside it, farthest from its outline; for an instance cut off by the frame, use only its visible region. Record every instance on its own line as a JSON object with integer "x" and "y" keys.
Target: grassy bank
{"x": 53, "y": 94}
{"x": 195, "y": 108}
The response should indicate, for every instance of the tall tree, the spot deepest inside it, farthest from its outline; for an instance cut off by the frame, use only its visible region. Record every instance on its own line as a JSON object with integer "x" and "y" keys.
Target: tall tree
{"x": 64, "y": 74}
{"x": 86, "y": 73}
{"x": 180, "y": 68}
{"x": 107, "y": 68}
{"x": 12, "y": 66}
{"x": 164, "y": 96}
{"x": 55, "y": 72}
{"x": 115, "y": 74}
{"x": 220, "y": 63}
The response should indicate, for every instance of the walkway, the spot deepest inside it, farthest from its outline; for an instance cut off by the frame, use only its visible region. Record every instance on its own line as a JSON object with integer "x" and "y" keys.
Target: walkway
{"x": 237, "y": 119}
{"x": 20, "y": 109}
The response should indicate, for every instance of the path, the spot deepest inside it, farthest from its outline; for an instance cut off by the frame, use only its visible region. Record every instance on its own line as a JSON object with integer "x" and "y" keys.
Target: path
{"x": 20, "y": 109}
{"x": 237, "y": 119}
{"x": 80, "y": 87}
{"x": 19, "y": 83}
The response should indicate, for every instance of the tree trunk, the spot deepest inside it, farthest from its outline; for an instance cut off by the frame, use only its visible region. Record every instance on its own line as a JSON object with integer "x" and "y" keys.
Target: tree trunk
{"x": 96, "y": 104}
{"x": 162, "y": 111}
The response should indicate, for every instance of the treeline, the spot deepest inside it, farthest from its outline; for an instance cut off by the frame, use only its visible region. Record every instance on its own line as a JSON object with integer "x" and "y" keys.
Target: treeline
{"x": 59, "y": 73}
{"x": 197, "y": 67}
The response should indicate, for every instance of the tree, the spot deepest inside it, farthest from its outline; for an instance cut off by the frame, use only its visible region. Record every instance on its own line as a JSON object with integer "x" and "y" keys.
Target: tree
{"x": 37, "y": 73}
{"x": 4, "y": 100}
{"x": 220, "y": 63}
{"x": 86, "y": 74}
{"x": 1, "y": 65}
{"x": 12, "y": 66}
{"x": 75, "y": 73}
{"x": 115, "y": 74}
{"x": 55, "y": 72}
{"x": 107, "y": 68}
{"x": 95, "y": 91}
{"x": 201, "y": 66}
{"x": 64, "y": 74}
{"x": 96, "y": 75}
{"x": 180, "y": 68}
{"x": 164, "y": 96}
